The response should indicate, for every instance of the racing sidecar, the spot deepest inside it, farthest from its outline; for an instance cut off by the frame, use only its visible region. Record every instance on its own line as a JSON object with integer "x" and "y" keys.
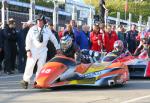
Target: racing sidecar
{"x": 62, "y": 71}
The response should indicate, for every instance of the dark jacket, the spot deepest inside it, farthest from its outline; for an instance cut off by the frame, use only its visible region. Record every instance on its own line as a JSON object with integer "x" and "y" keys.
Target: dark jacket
{"x": 131, "y": 40}
{"x": 51, "y": 48}
{"x": 21, "y": 36}
{"x": 1, "y": 39}
{"x": 10, "y": 35}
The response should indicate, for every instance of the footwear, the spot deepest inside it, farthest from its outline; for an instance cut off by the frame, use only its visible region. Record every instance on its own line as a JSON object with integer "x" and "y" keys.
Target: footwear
{"x": 1, "y": 72}
{"x": 24, "y": 84}
{"x": 9, "y": 73}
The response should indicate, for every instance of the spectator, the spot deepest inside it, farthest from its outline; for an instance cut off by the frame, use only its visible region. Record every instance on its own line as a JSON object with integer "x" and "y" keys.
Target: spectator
{"x": 51, "y": 26}
{"x": 21, "y": 36}
{"x": 113, "y": 28}
{"x": 122, "y": 35}
{"x": 36, "y": 47}
{"x": 103, "y": 9}
{"x": 144, "y": 38}
{"x": 60, "y": 33}
{"x": 69, "y": 31}
{"x": 83, "y": 38}
{"x": 10, "y": 48}
{"x": 102, "y": 28}
{"x": 109, "y": 39}
{"x": 102, "y": 32}
{"x": 131, "y": 38}
{"x": 1, "y": 50}
{"x": 74, "y": 28}
{"x": 51, "y": 48}
{"x": 96, "y": 38}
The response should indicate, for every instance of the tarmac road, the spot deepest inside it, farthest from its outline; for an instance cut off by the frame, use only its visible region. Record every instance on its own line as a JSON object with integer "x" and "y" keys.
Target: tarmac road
{"x": 136, "y": 91}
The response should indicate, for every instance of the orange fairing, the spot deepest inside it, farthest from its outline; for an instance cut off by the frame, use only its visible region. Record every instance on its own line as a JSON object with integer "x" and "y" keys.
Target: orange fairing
{"x": 49, "y": 73}
{"x": 117, "y": 64}
{"x": 82, "y": 68}
{"x": 123, "y": 71}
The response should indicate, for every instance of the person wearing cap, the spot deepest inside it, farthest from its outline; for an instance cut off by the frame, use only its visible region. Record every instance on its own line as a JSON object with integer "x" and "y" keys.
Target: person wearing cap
{"x": 10, "y": 47}
{"x": 36, "y": 48}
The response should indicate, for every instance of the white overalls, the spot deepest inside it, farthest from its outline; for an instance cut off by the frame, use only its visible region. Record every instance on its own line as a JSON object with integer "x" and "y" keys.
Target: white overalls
{"x": 38, "y": 50}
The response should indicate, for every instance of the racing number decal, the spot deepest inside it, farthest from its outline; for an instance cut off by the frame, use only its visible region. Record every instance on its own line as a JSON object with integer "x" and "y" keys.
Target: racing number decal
{"x": 46, "y": 71}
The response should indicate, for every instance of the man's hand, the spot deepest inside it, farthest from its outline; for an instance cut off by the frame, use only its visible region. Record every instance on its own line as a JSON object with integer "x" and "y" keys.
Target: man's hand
{"x": 29, "y": 54}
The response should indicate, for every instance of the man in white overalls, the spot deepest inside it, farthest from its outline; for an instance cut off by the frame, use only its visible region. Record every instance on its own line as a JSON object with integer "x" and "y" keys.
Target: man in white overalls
{"x": 36, "y": 47}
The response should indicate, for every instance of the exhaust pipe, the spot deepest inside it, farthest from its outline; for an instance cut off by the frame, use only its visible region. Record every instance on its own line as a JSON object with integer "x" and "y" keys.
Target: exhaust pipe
{"x": 111, "y": 82}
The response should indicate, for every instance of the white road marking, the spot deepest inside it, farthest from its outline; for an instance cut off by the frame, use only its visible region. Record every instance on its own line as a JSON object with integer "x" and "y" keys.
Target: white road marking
{"x": 136, "y": 99}
{"x": 11, "y": 76}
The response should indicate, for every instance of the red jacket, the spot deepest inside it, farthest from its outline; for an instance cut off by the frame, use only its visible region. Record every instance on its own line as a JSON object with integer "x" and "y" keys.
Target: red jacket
{"x": 96, "y": 40}
{"x": 109, "y": 39}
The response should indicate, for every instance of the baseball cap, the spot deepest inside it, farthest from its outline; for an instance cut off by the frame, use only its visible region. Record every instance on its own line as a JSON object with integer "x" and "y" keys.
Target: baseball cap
{"x": 40, "y": 17}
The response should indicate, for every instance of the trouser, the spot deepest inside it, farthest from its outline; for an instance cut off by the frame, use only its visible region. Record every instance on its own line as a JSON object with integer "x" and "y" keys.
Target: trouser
{"x": 148, "y": 52}
{"x": 102, "y": 17}
{"x": 9, "y": 58}
{"x": 21, "y": 61}
{"x": 1, "y": 59}
{"x": 40, "y": 59}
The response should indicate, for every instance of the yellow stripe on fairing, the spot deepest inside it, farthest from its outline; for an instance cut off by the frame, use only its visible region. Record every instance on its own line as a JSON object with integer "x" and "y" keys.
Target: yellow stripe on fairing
{"x": 83, "y": 81}
{"x": 96, "y": 67}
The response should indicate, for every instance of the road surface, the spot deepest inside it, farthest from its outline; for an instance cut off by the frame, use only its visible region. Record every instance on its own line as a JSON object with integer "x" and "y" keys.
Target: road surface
{"x": 136, "y": 91}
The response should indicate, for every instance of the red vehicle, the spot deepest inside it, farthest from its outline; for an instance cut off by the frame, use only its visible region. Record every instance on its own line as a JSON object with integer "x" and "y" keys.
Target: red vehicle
{"x": 138, "y": 66}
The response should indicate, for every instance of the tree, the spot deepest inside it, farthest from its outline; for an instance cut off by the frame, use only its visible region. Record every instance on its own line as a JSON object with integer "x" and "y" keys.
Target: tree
{"x": 136, "y": 8}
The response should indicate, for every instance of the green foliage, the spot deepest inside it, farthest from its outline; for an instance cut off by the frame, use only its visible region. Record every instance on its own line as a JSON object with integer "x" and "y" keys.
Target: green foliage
{"x": 95, "y": 3}
{"x": 136, "y": 8}
{"x": 46, "y": 4}
{"x": 40, "y": 2}
{"x": 27, "y": 1}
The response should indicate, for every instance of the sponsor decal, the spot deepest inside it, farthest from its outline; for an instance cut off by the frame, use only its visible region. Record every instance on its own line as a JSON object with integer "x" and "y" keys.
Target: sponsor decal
{"x": 90, "y": 75}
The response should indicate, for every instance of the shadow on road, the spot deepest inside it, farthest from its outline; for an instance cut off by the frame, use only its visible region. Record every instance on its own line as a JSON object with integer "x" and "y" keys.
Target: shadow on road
{"x": 134, "y": 84}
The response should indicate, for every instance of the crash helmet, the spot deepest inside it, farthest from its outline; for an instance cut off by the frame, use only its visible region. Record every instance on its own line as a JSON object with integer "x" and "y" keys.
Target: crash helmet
{"x": 118, "y": 45}
{"x": 144, "y": 36}
{"x": 66, "y": 43}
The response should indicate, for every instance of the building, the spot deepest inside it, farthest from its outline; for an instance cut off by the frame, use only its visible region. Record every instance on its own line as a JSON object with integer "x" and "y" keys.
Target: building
{"x": 18, "y": 9}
